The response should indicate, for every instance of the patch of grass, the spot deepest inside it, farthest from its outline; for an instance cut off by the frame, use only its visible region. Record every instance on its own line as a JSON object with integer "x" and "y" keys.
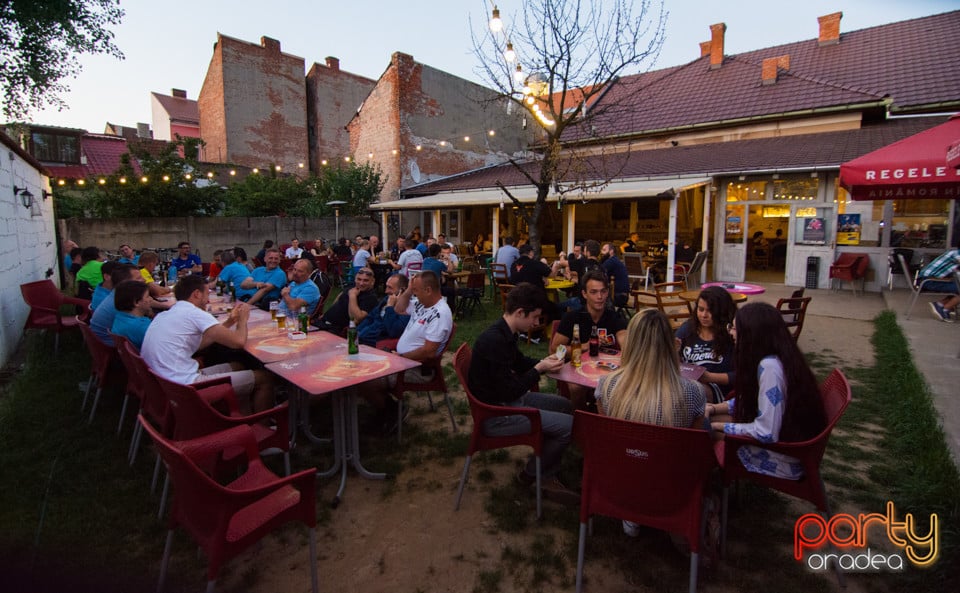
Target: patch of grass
{"x": 511, "y": 507}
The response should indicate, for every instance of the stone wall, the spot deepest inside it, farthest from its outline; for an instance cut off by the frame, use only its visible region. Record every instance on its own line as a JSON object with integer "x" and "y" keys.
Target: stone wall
{"x": 207, "y": 234}
{"x": 28, "y": 250}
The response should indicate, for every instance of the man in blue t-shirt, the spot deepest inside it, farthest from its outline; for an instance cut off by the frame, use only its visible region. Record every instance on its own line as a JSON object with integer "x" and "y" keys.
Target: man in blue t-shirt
{"x": 235, "y": 273}
{"x": 102, "y": 319}
{"x": 265, "y": 281}
{"x": 301, "y": 292}
{"x": 133, "y": 311}
{"x": 104, "y": 288}
{"x": 127, "y": 256}
{"x": 186, "y": 263}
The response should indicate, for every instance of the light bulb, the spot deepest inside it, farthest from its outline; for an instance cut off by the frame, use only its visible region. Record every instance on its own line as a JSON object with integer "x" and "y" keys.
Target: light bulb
{"x": 518, "y": 75}
{"x": 496, "y": 24}
{"x": 509, "y": 55}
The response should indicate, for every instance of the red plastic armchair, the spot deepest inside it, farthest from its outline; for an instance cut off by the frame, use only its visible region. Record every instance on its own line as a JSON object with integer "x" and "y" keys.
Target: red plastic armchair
{"x": 835, "y": 395}
{"x": 482, "y": 412}
{"x": 844, "y": 269}
{"x": 134, "y": 386}
{"x": 103, "y": 368}
{"x": 653, "y": 475}
{"x": 437, "y": 383}
{"x": 44, "y": 299}
{"x": 226, "y": 519}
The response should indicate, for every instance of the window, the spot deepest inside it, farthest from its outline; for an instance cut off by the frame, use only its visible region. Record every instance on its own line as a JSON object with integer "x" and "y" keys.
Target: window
{"x": 55, "y": 148}
{"x": 743, "y": 191}
{"x": 920, "y": 223}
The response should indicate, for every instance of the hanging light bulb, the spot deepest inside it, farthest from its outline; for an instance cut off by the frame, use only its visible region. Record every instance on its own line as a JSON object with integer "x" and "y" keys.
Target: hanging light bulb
{"x": 518, "y": 75}
{"x": 496, "y": 25}
{"x": 509, "y": 55}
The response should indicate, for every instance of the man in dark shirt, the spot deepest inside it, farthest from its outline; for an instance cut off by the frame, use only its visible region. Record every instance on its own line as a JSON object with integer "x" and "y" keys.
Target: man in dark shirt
{"x": 582, "y": 266}
{"x": 527, "y": 269}
{"x": 355, "y": 302}
{"x": 501, "y": 375}
{"x": 617, "y": 271}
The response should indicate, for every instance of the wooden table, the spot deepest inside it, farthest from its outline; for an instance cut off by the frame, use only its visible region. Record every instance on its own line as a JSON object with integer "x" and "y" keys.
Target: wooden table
{"x": 332, "y": 371}
{"x": 590, "y": 370}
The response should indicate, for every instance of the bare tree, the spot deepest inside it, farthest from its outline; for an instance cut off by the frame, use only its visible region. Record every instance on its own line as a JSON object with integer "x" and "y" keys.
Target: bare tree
{"x": 567, "y": 56}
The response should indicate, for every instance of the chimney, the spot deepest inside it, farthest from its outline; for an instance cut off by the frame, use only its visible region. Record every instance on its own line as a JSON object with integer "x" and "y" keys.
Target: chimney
{"x": 270, "y": 44}
{"x": 143, "y": 131}
{"x": 771, "y": 66}
{"x": 829, "y": 28}
{"x": 179, "y": 93}
{"x": 716, "y": 45}
{"x": 704, "y": 48}
{"x": 333, "y": 63}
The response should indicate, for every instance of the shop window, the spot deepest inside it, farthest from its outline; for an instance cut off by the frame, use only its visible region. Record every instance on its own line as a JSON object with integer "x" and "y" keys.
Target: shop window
{"x": 796, "y": 189}
{"x": 746, "y": 191}
{"x": 920, "y": 223}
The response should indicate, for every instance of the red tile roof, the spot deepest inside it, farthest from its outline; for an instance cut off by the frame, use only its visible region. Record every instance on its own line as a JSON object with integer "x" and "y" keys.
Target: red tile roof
{"x": 824, "y": 151}
{"x": 179, "y": 109}
{"x": 912, "y": 64}
{"x": 102, "y": 154}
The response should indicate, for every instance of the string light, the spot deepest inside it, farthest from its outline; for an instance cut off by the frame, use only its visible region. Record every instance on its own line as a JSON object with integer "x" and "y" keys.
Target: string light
{"x": 496, "y": 23}
{"x": 509, "y": 55}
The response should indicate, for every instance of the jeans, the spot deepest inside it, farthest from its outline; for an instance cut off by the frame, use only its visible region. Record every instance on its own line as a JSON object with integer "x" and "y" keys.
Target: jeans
{"x": 556, "y": 419}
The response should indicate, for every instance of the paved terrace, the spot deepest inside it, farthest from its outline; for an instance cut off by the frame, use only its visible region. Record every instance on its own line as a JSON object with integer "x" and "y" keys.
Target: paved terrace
{"x": 935, "y": 345}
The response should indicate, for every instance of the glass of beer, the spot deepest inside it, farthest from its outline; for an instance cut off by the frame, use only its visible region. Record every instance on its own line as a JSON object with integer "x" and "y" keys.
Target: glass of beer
{"x": 274, "y": 307}
{"x": 281, "y": 321}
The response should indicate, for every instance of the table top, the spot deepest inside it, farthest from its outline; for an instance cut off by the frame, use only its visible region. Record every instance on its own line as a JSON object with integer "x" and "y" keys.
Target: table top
{"x": 693, "y": 295}
{"x": 591, "y": 370}
{"x": 560, "y": 284}
{"x": 267, "y": 344}
{"x": 741, "y": 287}
{"x": 333, "y": 369}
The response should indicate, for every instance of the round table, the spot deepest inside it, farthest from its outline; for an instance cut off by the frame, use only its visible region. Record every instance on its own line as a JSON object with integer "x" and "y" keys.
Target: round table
{"x": 691, "y": 296}
{"x": 741, "y": 287}
{"x": 555, "y": 285}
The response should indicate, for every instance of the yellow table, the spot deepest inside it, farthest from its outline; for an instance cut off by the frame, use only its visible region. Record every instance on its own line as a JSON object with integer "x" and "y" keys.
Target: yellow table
{"x": 555, "y": 285}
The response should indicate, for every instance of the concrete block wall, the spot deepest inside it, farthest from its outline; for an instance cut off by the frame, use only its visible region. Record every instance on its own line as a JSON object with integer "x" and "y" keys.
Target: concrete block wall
{"x": 206, "y": 235}
{"x": 27, "y": 244}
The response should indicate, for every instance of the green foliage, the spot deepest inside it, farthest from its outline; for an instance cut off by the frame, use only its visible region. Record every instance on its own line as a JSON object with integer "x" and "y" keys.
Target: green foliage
{"x": 268, "y": 195}
{"x": 40, "y": 46}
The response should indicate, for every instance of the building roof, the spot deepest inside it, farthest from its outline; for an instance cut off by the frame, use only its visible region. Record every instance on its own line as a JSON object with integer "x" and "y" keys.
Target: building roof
{"x": 102, "y": 153}
{"x": 807, "y": 152}
{"x": 909, "y": 64}
{"x": 179, "y": 109}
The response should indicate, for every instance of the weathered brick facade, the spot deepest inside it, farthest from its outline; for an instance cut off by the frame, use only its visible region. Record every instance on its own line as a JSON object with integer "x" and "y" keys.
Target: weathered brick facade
{"x": 253, "y": 106}
{"x": 333, "y": 97}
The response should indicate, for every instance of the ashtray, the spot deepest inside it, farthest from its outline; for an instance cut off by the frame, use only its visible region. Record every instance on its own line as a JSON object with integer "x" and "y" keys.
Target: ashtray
{"x": 297, "y": 335}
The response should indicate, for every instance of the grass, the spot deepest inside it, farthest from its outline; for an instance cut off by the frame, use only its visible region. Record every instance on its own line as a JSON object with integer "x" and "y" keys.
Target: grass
{"x": 72, "y": 511}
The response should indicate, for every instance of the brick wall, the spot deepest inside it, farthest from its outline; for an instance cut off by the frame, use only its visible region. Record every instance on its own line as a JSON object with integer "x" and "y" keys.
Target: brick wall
{"x": 333, "y": 97}
{"x": 27, "y": 245}
{"x": 210, "y": 104}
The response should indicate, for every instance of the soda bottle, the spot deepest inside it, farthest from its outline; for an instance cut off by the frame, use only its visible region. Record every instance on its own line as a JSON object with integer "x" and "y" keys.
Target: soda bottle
{"x": 303, "y": 319}
{"x": 594, "y": 343}
{"x": 575, "y": 347}
{"x": 352, "y": 346}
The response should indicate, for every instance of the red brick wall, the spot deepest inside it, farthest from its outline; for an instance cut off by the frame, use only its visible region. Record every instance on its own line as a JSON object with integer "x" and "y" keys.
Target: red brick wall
{"x": 333, "y": 97}
{"x": 211, "y": 107}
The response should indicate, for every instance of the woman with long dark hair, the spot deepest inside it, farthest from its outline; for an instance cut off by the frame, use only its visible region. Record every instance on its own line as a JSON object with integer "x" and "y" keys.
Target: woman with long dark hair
{"x": 777, "y": 396}
{"x": 704, "y": 341}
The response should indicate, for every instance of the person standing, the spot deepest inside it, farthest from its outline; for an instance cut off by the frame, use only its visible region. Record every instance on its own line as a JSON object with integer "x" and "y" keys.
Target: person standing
{"x": 617, "y": 271}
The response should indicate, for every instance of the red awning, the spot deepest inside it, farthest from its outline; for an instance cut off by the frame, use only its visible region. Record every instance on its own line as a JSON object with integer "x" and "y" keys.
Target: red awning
{"x": 913, "y": 168}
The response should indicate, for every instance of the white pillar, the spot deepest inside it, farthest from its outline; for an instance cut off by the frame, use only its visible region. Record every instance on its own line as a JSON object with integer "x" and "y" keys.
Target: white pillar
{"x": 705, "y": 225}
{"x": 436, "y": 224}
{"x": 672, "y": 238}
{"x": 496, "y": 231}
{"x": 571, "y": 220}
{"x": 385, "y": 239}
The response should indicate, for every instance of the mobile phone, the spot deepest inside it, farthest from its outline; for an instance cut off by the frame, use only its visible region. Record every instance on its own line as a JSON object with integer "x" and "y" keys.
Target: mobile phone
{"x": 611, "y": 366}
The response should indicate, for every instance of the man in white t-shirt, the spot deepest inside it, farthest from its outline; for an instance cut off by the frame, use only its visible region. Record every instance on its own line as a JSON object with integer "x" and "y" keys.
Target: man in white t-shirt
{"x": 294, "y": 251}
{"x": 408, "y": 256}
{"x": 176, "y": 335}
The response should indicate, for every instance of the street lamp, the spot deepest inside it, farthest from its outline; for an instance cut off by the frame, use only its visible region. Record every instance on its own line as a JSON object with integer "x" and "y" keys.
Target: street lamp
{"x": 336, "y": 213}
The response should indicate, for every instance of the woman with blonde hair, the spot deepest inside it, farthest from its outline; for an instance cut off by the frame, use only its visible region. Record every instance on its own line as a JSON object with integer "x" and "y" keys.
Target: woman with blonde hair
{"x": 648, "y": 387}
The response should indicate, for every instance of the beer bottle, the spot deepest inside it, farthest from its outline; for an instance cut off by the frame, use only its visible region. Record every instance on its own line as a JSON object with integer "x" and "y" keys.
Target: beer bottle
{"x": 233, "y": 293}
{"x": 303, "y": 319}
{"x": 575, "y": 347}
{"x": 352, "y": 346}
{"x": 594, "y": 342}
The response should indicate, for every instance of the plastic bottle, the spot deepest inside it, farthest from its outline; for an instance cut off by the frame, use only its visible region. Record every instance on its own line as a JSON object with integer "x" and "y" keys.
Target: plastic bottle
{"x": 303, "y": 320}
{"x": 575, "y": 347}
{"x": 352, "y": 346}
{"x": 594, "y": 343}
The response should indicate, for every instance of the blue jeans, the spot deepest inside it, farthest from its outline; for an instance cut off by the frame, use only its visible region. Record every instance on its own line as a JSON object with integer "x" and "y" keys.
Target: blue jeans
{"x": 556, "y": 419}
{"x": 947, "y": 286}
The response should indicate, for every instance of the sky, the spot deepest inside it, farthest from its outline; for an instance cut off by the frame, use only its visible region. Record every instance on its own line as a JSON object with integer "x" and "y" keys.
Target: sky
{"x": 168, "y": 44}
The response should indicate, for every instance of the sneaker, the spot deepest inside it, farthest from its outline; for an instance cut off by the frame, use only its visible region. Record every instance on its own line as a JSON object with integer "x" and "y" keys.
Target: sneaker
{"x": 554, "y": 490}
{"x": 940, "y": 313}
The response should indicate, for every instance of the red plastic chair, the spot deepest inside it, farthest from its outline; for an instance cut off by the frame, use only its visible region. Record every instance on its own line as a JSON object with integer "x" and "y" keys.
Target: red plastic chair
{"x": 844, "y": 269}
{"x": 103, "y": 368}
{"x": 437, "y": 383}
{"x": 482, "y": 412}
{"x": 44, "y": 299}
{"x": 225, "y": 520}
{"x": 835, "y": 395}
{"x": 134, "y": 386}
{"x": 648, "y": 474}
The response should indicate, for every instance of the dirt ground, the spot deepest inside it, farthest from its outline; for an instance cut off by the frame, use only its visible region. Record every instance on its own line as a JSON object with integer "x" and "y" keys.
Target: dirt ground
{"x": 412, "y": 540}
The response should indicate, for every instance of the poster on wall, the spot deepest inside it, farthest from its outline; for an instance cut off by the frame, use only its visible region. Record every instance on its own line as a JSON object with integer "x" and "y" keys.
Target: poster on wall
{"x": 814, "y": 231}
{"x": 848, "y": 229}
{"x": 734, "y": 225}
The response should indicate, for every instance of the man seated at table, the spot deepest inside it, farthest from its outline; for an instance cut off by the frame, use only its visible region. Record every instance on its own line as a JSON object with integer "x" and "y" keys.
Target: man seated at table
{"x": 408, "y": 255}
{"x": 375, "y": 247}
{"x": 148, "y": 263}
{"x": 134, "y": 313}
{"x": 611, "y": 328}
{"x": 424, "y": 338}
{"x": 383, "y": 321}
{"x": 507, "y": 254}
{"x": 501, "y": 375}
{"x": 441, "y": 268}
{"x": 447, "y": 255}
{"x": 234, "y": 272}
{"x": 127, "y": 256}
{"x": 942, "y": 267}
{"x": 103, "y": 317}
{"x": 266, "y": 281}
{"x": 105, "y": 286}
{"x": 294, "y": 251}
{"x": 354, "y": 303}
{"x": 186, "y": 263}
{"x": 176, "y": 335}
{"x": 300, "y": 291}
{"x": 617, "y": 271}
{"x": 89, "y": 275}
{"x": 527, "y": 269}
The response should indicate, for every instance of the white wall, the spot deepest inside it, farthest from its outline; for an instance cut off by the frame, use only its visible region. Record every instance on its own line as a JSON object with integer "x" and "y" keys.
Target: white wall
{"x": 27, "y": 244}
